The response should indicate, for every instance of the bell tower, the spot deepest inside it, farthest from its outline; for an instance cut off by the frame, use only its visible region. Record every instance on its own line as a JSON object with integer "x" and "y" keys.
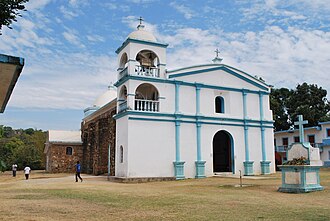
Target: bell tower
{"x": 140, "y": 57}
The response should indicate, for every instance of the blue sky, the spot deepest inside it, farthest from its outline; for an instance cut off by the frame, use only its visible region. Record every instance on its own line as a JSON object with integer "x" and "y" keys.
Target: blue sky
{"x": 69, "y": 47}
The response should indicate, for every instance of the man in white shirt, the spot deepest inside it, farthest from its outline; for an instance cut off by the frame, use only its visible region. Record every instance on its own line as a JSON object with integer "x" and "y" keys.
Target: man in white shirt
{"x": 14, "y": 169}
{"x": 27, "y": 172}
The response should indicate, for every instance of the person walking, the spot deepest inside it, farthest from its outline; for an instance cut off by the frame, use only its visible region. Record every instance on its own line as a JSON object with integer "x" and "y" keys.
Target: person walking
{"x": 14, "y": 169}
{"x": 78, "y": 170}
{"x": 27, "y": 170}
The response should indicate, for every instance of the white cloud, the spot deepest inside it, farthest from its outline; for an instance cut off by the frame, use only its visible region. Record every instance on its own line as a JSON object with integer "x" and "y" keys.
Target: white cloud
{"x": 33, "y": 5}
{"x": 95, "y": 38}
{"x": 67, "y": 13}
{"x": 72, "y": 37}
{"x": 187, "y": 12}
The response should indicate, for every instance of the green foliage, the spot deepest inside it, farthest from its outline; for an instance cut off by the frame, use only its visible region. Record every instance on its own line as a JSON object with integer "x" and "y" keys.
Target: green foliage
{"x": 308, "y": 100}
{"x": 297, "y": 161}
{"x": 9, "y": 10}
{"x": 2, "y": 166}
{"x": 24, "y": 147}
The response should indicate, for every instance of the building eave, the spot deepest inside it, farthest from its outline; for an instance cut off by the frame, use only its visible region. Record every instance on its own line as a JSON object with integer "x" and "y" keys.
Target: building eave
{"x": 10, "y": 70}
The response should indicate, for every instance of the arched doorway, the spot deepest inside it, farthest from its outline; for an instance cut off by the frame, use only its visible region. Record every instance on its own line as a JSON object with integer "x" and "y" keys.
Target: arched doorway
{"x": 222, "y": 152}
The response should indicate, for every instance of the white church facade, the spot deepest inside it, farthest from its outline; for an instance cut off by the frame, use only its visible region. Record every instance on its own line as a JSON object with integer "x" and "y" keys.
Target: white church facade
{"x": 190, "y": 122}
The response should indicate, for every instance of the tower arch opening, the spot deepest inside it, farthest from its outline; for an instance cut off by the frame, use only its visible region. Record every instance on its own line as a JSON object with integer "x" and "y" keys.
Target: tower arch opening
{"x": 146, "y": 98}
{"x": 148, "y": 63}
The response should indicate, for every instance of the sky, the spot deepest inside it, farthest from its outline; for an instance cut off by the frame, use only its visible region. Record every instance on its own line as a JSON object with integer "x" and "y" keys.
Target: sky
{"x": 69, "y": 47}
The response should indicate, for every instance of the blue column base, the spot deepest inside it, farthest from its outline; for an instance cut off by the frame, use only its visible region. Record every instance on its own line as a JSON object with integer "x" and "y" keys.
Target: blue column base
{"x": 200, "y": 169}
{"x": 248, "y": 168}
{"x": 179, "y": 170}
{"x": 265, "y": 167}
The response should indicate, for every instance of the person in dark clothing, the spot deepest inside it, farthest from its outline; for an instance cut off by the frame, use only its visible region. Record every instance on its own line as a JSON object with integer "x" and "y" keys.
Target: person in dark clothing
{"x": 78, "y": 170}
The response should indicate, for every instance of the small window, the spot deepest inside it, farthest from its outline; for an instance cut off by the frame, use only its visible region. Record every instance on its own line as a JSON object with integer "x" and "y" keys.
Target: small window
{"x": 296, "y": 139}
{"x": 219, "y": 105}
{"x": 285, "y": 141}
{"x": 328, "y": 132}
{"x": 311, "y": 140}
{"x": 329, "y": 154}
{"x": 121, "y": 154}
{"x": 68, "y": 150}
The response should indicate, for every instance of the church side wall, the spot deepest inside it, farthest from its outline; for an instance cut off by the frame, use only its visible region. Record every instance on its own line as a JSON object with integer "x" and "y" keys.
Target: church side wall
{"x": 122, "y": 141}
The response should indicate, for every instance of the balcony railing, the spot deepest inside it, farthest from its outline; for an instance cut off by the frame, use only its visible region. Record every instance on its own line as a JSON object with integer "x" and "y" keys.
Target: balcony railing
{"x": 123, "y": 72}
{"x": 147, "y": 71}
{"x": 146, "y": 105}
{"x": 281, "y": 148}
{"x": 122, "y": 106}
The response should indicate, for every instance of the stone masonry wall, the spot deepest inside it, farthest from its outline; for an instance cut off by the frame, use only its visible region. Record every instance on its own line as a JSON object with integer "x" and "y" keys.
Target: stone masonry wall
{"x": 97, "y": 134}
{"x": 59, "y": 161}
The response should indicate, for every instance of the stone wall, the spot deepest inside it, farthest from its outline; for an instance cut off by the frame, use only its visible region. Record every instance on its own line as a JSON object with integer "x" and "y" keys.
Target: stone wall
{"x": 58, "y": 161}
{"x": 97, "y": 134}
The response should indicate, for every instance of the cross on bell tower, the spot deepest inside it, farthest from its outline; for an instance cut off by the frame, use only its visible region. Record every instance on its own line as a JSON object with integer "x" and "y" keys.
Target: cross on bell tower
{"x": 301, "y": 123}
{"x": 140, "y": 26}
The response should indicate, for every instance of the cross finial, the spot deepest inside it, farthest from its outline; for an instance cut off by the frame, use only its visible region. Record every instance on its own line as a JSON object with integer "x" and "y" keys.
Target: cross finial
{"x": 217, "y": 59}
{"x": 301, "y": 123}
{"x": 141, "y": 20}
{"x": 217, "y": 52}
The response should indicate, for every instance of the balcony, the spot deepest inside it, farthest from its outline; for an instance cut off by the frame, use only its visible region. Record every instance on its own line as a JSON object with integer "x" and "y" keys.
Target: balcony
{"x": 146, "y": 105}
{"x": 281, "y": 148}
{"x": 147, "y": 71}
{"x": 123, "y": 73}
{"x": 122, "y": 106}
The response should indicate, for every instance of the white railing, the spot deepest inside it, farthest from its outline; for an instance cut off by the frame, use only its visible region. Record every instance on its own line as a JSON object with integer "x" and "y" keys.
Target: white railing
{"x": 122, "y": 106}
{"x": 123, "y": 72}
{"x": 146, "y": 105}
{"x": 281, "y": 148}
{"x": 147, "y": 71}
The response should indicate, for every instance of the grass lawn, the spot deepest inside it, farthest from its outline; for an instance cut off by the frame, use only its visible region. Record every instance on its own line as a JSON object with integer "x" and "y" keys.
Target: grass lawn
{"x": 57, "y": 197}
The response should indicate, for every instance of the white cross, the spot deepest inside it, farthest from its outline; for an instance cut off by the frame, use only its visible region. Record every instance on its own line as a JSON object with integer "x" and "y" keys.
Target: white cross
{"x": 217, "y": 52}
{"x": 301, "y": 123}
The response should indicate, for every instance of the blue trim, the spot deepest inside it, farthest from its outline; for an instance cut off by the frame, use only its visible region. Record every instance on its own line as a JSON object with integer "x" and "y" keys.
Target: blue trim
{"x": 301, "y": 185}
{"x": 246, "y": 142}
{"x": 248, "y": 168}
{"x": 216, "y": 120}
{"x": 217, "y": 65}
{"x": 11, "y": 60}
{"x": 128, "y": 40}
{"x": 194, "y": 122}
{"x": 179, "y": 170}
{"x": 198, "y": 99}
{"x": 224, "y": 69}
{"x": 200, "y": 169}
{"x": 167, "y": 81}
{"x": 177, "y": 141}
{"x": 198, "y": 131}
{"x": 265, "y": 167}
{"x": 263, "y": 144}
{"x": 177, "y": 96}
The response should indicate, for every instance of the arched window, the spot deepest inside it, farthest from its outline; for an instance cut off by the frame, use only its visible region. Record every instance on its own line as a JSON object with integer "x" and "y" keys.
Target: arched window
{"x": 121, "y": 154}
{"x": 146, "y": 98}
{"x": 68, "y": 150}
{"x": 148, "y": 64}
{"x": 219, "y": 105}
{"x": 123, "y": 61}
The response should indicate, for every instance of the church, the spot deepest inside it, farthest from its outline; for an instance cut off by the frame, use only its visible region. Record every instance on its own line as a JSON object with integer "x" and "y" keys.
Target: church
{"x": 192, "y": 122}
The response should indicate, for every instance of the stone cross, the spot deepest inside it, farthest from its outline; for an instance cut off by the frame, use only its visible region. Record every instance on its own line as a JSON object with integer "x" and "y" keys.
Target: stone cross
{"x": 141, "y": 20}
{"x": 301, "y": 123}
{"x": 217, "y": 52}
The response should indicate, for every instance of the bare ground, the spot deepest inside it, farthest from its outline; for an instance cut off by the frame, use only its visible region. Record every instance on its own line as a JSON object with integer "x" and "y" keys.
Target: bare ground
{"x": 58, "y": 197}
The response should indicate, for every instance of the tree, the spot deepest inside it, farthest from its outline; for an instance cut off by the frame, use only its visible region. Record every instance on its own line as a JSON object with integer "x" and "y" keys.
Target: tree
{"x": 278, "y": 104}
{"x": 9, "y": 10}
{"x": 306, "y": 99}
